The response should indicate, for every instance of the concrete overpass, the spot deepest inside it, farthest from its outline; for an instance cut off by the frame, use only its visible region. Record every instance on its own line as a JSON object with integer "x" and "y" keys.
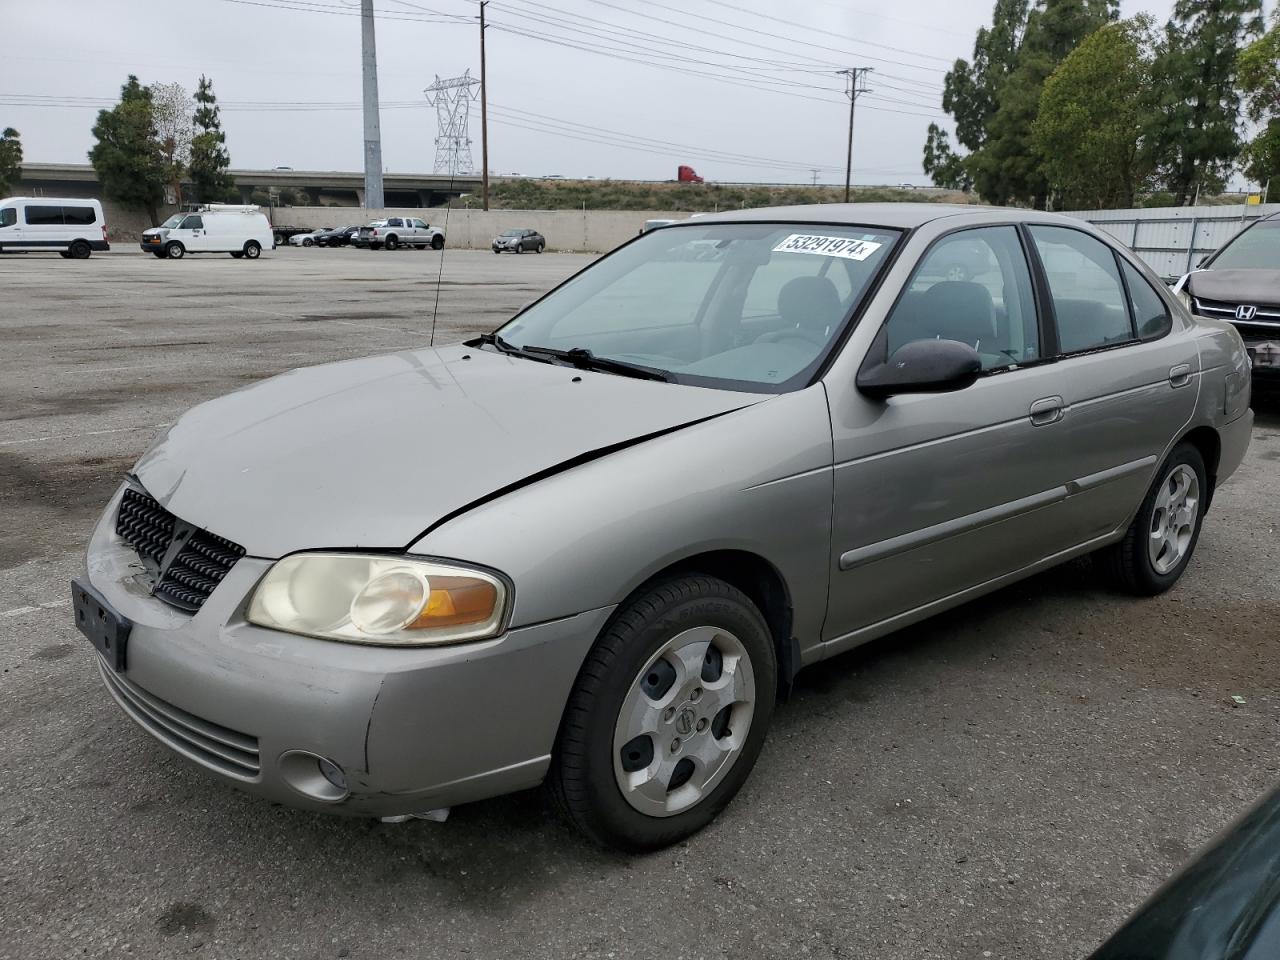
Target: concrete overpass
{"x": 316, "y": 187}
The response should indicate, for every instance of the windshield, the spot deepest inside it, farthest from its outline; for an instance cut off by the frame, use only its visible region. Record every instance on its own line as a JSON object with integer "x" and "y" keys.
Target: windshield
{"x": 512, "y": 233}
{"x": 173, "y": 221}
{"x": 752, "y": 306}
{"x": 1257, "y": 248}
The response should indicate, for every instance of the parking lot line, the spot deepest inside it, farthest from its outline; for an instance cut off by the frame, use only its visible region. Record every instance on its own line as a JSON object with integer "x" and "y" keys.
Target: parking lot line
{"x": 77, "y": 436}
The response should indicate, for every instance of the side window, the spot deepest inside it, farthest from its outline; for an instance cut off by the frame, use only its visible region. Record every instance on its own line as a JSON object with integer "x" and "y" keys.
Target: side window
{"x": 395, "y": 222}
{"x": 78, "y": 216}
{"x": 1084, "y": 284}
{"x": 193, "y": 223}
{"x": 420, "y": 224}
{"x": 8, "y": 217}
{"x": 44, "y": 216}
{"x": 973, "y": 286}
{"x": 1150, "y": 315}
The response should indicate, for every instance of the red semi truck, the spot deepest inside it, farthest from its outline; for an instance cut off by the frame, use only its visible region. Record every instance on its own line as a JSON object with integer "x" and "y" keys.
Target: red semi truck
{"x": 686, "y": 174}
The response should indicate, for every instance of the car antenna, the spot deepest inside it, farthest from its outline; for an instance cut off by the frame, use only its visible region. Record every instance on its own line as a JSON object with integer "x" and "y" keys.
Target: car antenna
{"x": 431, "y": 342}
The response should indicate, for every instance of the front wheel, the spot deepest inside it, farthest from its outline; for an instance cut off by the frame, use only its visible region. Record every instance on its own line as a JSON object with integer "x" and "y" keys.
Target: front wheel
{"x": 1159, "y": 543}
{"x": 307, "y": 243}
{"x": 175, "y": 251}
{"x": 539, "y": 248}
{"x": 237, "y": 254}
{"x": 253, "y": 249}
{"x": 437, "y": 242}
{"x": 667, "y": 716}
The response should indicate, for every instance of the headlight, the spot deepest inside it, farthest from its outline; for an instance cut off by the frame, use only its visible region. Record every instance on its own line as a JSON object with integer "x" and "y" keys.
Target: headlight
{"x": 395, "y": 601}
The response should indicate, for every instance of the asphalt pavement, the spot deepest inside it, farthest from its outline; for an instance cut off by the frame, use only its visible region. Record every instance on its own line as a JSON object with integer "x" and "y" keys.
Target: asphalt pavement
{"x": 1007, "y": 780}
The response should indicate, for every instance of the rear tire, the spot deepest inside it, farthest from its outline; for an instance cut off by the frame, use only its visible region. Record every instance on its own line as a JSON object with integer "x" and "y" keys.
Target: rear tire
{"x": 437, "y": 242}
{"x": 1158, "y": 545}
{"x": 711, "y": 706}
{"x": 392, "y": 243}
{"x": 252, "y": 249}
{"x": 237, "y": 254}
{"x": 80, "y": 250}
{"x": 175, "y": 251}
{"x": 158, "y": 254}
{"x": 279, "y": 238}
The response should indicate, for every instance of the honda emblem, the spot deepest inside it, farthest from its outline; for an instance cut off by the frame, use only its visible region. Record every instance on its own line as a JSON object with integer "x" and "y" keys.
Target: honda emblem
{"x": 1246, "y": 312}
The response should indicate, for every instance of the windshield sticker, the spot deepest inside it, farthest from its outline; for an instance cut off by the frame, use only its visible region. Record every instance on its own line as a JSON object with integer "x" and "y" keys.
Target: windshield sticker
{"x": 845, "y": 247}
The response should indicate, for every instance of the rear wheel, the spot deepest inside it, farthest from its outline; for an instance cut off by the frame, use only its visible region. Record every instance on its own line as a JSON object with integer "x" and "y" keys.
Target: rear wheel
{"x": 252, "y": 249}
{"x": 80, "y": 250}
{"x": 279, "y": 239}
{"x": 437, "y": 242}
{"x": 175, "y": 251}
{"x": 158, "y": 254}
{"x": 667, "y": 716}
{"x": 1159, "y": 543}
{"x": 237, "y": 254}
{"x": 393, "y": 243}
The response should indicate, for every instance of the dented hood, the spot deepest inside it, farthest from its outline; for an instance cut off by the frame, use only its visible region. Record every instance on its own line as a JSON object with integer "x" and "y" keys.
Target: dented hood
{"x": 369, "y": 453}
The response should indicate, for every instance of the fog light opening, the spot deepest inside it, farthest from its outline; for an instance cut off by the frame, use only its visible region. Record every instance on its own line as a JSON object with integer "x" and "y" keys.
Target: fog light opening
{"x": 314, "y": 776}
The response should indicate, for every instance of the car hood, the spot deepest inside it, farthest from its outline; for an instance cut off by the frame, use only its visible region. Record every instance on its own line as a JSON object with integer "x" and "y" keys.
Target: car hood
{"x": 371, "y": 453}
{"x": 1236, "y": 286}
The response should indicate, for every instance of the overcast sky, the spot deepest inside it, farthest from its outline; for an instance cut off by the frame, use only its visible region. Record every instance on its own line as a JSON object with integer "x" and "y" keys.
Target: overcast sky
{"x": 757, "y": 101}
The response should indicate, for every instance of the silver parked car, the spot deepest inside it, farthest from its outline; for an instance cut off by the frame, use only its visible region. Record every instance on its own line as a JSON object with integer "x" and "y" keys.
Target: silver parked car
{"x": 590, "y": 548}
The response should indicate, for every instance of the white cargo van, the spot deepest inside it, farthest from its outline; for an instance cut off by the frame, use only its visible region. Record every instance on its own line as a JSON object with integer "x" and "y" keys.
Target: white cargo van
{"x": 242, "y": 231}
{"x": 73, "y": 228}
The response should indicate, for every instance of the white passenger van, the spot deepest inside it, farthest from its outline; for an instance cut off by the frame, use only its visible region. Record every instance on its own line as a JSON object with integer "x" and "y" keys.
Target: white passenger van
{"x": 242, "y": 231}
{"x": 72, "y": 228}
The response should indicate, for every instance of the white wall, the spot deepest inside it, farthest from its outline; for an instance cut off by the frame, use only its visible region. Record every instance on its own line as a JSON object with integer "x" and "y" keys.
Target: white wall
{"x": 584, "y": 231}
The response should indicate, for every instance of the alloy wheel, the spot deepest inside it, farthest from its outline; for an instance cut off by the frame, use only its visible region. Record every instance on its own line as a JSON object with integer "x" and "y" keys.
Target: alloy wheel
{"x": 1173, "y": 519}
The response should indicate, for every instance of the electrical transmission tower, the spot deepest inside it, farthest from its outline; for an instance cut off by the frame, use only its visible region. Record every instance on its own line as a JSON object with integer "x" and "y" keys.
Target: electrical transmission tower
{"x": 452, "y": 99}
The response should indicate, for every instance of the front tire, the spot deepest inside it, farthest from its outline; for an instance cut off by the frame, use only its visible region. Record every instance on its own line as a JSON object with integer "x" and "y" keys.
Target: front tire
{"x": 237, "y": 254}
{"x": 307, "y": 242}
{"x": 1158, "y": 545}
{"x": 539, "y": 248}
{"x": 252, "y": 249}
{"x": 175, "y": 251}
{"x": 667, "y": 716}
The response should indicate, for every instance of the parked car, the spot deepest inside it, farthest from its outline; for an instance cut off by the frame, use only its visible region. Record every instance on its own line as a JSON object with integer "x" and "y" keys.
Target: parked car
{"x": 242, "y": 231}
{"x": 518, "y": 241}
{"x": 1224, "y": 905}
{"x": 1240, "y": 283}
{"x": 72, "y": 228}
{"x": 396, "y": 232}
{"x": 604, "y": 536}
{"x": 340, "y": 237}
{"x": 310, "y": 239}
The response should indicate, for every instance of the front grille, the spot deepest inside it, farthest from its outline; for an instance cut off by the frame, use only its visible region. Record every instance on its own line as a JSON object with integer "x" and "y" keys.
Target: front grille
{"x": 207, "y": 743}
{"x": 1264, "y": 323}
{"x": 187, "y": 562}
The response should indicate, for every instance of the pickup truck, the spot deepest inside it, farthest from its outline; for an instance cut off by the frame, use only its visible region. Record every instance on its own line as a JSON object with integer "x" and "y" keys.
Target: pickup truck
{"x": 396, "y": 232}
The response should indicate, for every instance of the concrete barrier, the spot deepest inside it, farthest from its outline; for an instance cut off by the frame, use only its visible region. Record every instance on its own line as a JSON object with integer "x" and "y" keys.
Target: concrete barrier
{"x": 578, "y": 231}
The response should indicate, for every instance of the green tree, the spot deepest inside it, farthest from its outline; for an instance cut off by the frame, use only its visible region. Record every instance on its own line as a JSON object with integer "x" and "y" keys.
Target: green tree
{"x": 1089, "y": 131}
{"x": 1009, "y": 169}
{"x": 10, "y": 159}
{"x": 127, "y": 156}
{"x": 942, "y": 163}
{"x": 209, "y": 158}
{"x": 171, "y": 110}
{"x": 1197, "y": 133}
{"x": 1259, "y": 75}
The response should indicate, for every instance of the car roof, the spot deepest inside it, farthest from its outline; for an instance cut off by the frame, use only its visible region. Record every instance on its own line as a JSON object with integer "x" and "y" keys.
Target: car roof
{"x": 903, "y": 215}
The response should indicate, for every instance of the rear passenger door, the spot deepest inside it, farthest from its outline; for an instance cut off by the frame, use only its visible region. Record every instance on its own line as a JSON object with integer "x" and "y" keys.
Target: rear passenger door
{"x": 1130, "y": 375}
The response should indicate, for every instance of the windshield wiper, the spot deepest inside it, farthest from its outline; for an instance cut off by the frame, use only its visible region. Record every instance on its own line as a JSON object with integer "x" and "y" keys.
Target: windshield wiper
{"x": 495, "y": 341}
{"x": 584, "y": 359}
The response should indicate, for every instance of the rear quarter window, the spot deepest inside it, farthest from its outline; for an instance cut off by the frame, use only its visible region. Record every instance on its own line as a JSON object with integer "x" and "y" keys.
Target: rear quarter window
{"x": 79, "y": 216}
{"x": 1150, "y": 315}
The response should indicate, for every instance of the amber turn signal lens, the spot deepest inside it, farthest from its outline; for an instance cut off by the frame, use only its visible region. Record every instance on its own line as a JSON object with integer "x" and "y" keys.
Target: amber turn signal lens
{"x": 455, "y": 601}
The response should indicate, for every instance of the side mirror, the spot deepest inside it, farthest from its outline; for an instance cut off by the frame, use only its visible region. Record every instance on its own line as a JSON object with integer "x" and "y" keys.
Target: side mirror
{"x": 922, "y": 366}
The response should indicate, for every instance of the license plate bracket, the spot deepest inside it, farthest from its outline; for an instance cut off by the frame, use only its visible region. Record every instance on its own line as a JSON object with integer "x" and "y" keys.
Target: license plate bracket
{"x": 107, "y": 630}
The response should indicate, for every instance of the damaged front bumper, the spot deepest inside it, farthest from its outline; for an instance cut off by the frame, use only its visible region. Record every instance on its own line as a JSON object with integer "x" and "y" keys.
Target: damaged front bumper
{"x": 407, "y": 729}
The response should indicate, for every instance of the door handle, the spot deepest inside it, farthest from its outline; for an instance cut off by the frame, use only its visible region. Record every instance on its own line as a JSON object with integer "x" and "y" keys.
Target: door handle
{"x": 1180, "y": 375}
{"x": 1047, "y": 411}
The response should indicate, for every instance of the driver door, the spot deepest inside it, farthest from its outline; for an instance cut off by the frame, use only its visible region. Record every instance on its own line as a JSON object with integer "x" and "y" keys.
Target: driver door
{"x": 940, "y": 493}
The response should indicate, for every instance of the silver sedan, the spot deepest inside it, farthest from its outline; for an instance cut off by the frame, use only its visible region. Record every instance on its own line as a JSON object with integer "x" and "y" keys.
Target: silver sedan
{"x": 590, "y": 548}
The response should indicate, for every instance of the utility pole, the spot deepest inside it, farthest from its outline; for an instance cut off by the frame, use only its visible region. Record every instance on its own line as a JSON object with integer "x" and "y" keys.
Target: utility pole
{"x": 815, "y": 171}
{"x": 857, "y": 84}
{"x": 373, "y": 197}
{"x": 484, "y": 116}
